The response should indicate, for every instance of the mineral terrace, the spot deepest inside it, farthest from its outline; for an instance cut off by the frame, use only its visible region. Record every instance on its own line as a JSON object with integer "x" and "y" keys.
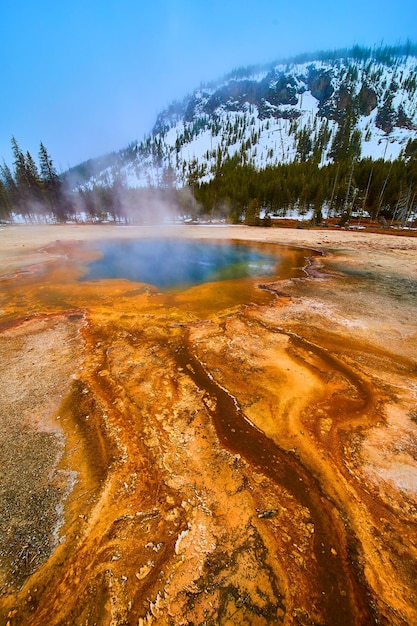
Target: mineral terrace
{"x": 234, "y": 453}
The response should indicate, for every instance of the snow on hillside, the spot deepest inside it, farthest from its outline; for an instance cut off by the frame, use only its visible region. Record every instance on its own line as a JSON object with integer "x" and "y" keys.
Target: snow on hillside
{"x": 284, "y": 113}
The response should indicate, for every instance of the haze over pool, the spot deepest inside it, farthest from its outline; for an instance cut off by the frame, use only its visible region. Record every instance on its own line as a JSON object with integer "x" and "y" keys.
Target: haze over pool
{"x": 170, "y": 264}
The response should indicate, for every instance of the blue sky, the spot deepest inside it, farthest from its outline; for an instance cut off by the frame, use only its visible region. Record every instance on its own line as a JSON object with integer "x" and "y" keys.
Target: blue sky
{"x": 88, "y": 77}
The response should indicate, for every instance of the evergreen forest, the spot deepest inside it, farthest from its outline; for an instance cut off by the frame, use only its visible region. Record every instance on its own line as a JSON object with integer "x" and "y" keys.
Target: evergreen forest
{"x": 328, "y": 136}
{"x": 238, "y": 193}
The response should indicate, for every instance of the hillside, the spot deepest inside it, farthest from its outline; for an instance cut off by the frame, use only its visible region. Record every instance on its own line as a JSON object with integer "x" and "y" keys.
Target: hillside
{"x": 326, "y": 135}
{"x": 357, "y": 103}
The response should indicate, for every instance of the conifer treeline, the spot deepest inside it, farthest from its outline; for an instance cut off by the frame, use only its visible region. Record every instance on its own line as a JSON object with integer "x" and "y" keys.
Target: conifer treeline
{"x": 32, "y": 192}
{"x": 29, "y": 191}
{"x": 367, "y": 187}
{"x": 238, "y": 192}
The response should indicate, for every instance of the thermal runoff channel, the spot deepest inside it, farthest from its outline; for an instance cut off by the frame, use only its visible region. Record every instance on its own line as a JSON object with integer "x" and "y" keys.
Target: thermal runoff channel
{"x": 169, "y": 264}
{"x": 242, "y": 451}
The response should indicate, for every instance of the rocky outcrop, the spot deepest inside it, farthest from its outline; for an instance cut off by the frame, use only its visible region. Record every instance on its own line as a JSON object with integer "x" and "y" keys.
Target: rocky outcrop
{"x": 344, "y": 98}
{"x": 403, "y": 121}
{"x": 320, "y": 84}
{"x": 367, "y": 99}
{"x": 280, "y": 89}
{"x": 275, "y": 89}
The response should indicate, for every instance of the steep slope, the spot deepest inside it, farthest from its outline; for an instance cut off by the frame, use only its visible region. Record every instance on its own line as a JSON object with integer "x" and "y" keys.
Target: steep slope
{"x": 361, "y": 103}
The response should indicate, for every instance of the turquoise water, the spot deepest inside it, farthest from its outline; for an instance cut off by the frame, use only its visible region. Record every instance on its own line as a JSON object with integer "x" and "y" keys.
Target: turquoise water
{"x": 169, "y": 264}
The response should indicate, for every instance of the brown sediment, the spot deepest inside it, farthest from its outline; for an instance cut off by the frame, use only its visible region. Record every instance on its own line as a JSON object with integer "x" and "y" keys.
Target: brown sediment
{"x": 342, "y": 592}
{"x": 224, "y": 455}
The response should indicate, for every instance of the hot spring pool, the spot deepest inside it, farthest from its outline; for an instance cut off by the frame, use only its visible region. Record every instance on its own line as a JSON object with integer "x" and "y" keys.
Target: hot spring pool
{"x": 170, "y": 264}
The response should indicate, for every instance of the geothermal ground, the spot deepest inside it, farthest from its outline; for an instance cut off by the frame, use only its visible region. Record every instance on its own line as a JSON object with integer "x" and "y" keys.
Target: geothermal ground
{"x": 234, "y": 453}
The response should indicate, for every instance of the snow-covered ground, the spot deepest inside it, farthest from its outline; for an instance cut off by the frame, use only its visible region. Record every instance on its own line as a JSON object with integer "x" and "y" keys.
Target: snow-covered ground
{"x": 268, "y": 137}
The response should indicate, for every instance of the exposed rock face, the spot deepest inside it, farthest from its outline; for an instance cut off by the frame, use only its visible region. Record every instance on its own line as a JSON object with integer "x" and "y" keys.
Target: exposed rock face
{"x": 367, "y": 99}
{"x": 280, "y": 89}
{"x": 256, "y": 116}
{"x": 403, "y": 120}
{"x": 276, "y": 89}
{"x": 320, "y": 84}
{"x": 344, "y": 98}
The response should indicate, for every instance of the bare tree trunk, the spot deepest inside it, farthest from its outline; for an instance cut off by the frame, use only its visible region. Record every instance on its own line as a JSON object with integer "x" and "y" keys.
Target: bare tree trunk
{"x": 345, "y": 209}
{"x": 366, "y": 193}
{"x": 333, "y": 191}
{"x": 382, "y": 192}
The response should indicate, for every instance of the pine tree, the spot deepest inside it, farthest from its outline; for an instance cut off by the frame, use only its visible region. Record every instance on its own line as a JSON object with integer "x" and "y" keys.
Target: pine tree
{"x": 252, "y": 216}
{"x": 304, "y": 143}
{"x": 33, "y": 181}
{"x": 52, "y": 185}
{"x": 22, "y": 180}
{"x": 19, "y": 164}
{"x": 9, "y": 186}
{"x": 5, "y": 206}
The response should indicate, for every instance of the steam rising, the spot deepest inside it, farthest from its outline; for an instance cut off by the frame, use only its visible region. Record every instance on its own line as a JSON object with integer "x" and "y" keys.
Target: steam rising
{"x": 168, "y": 263}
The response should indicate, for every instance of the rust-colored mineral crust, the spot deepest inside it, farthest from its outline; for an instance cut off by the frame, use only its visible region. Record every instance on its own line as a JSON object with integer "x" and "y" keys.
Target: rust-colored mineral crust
{"x": 230, "y": 454}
